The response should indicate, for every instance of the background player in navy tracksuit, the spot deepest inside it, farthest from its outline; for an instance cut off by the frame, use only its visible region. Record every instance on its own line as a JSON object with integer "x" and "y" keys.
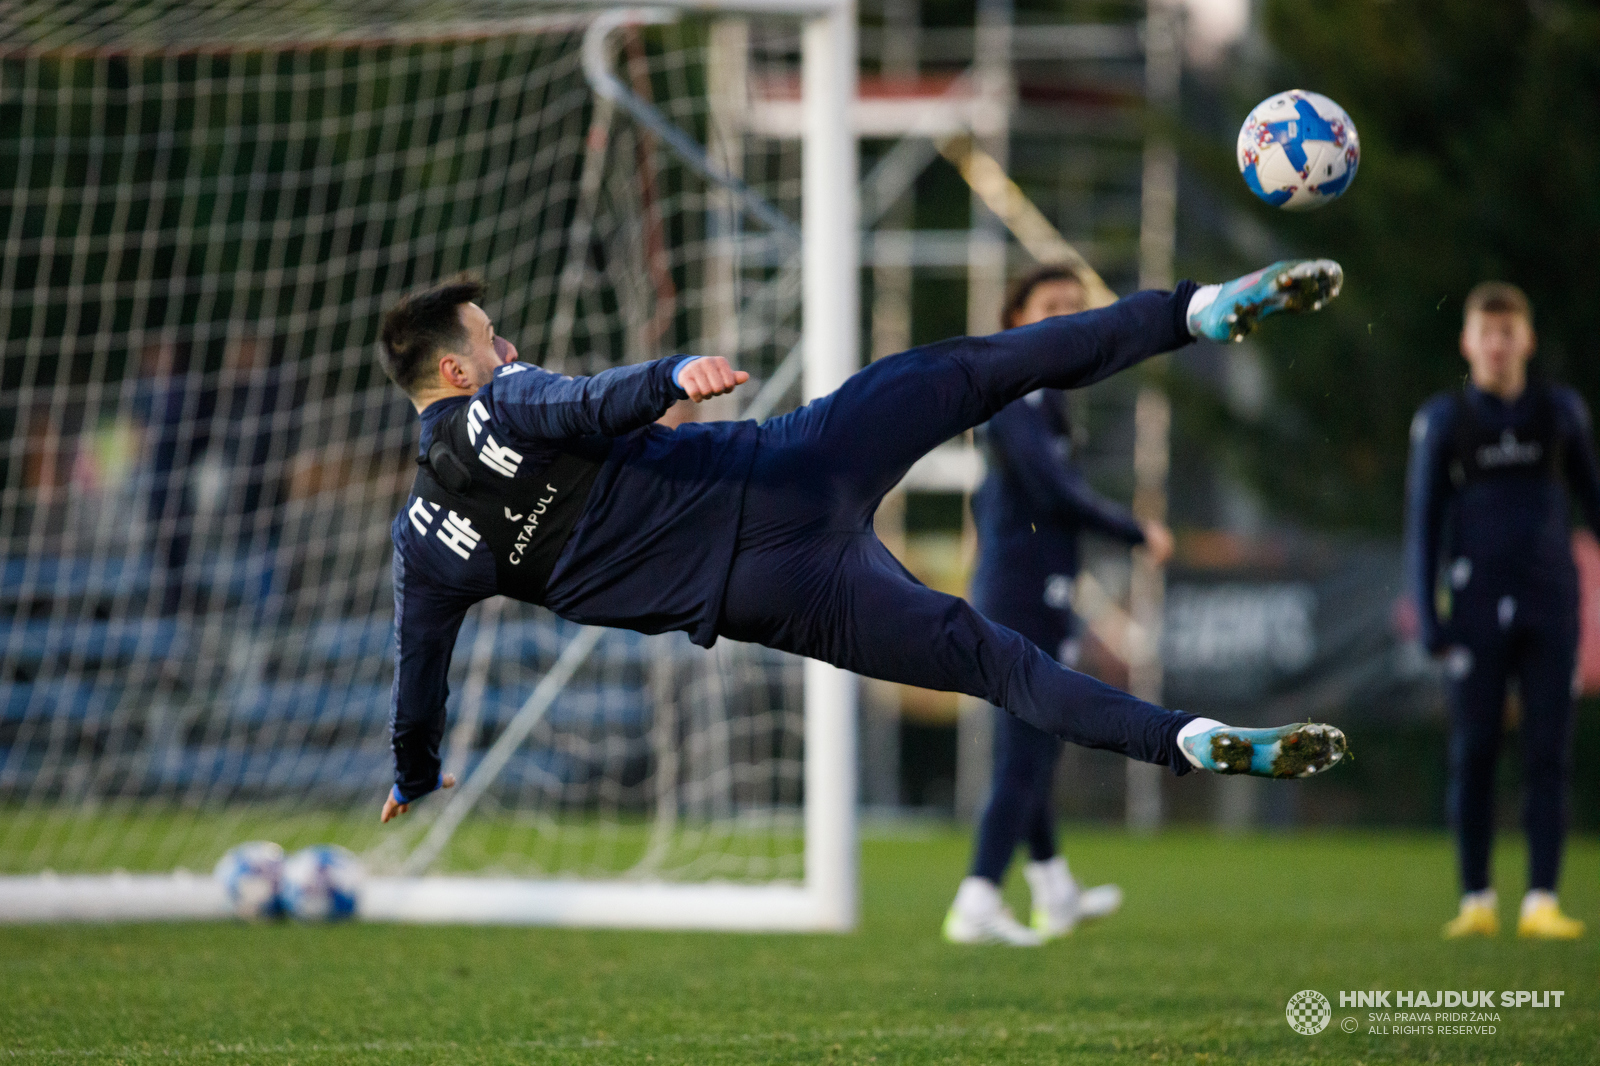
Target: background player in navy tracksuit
{"x": 249, "y": 412}
{"x": 562, "y": 491}
{"x": 1030, "y": 510}
{"x": 1486, "y": 506}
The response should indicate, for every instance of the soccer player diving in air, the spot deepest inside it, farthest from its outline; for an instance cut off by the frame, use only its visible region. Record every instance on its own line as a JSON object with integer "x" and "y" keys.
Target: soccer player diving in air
{"x": 562, "y": 491}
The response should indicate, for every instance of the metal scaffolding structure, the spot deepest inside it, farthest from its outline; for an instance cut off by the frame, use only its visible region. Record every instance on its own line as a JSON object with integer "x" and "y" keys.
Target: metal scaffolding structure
{"x": 1060, "y": 109}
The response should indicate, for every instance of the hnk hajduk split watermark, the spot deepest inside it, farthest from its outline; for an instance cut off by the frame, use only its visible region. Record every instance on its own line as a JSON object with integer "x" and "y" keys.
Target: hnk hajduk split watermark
{"x": 1473, "y": 1012}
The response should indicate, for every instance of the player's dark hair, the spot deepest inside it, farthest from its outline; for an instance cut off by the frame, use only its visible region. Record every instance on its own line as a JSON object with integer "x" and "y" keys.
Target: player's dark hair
{"x": 1498, "y": 298}
{"x": 1022, "y": 288}
{"x": 424, "y": 324}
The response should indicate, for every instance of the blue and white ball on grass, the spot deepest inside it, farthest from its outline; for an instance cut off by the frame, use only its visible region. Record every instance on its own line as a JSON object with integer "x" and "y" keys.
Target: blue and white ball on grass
{"x": 251, "y": 875}
{"x": 1298, "y": 150}
{"x": 322, "y": 884}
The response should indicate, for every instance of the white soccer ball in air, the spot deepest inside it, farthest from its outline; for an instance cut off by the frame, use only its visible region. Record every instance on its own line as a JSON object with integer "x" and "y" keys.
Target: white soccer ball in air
{"x": 251, "y": 874}
{"x": 322, "y": 883}
{"x": 1298, "y": 150}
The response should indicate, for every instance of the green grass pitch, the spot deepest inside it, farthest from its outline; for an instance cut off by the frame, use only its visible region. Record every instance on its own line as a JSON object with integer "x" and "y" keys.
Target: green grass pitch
{"x": 1216, "y": 935}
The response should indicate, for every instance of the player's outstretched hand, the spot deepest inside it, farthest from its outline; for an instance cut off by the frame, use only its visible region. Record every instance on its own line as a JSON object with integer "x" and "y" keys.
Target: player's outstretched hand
{"x": 391, "y": 809}
{"x": 708, "y": 376}
{"x": 1158, "y": 542}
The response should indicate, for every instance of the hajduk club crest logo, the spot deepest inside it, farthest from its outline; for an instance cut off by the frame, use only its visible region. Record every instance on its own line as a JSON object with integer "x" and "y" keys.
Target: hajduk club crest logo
{"x": 1308, "y": 1012}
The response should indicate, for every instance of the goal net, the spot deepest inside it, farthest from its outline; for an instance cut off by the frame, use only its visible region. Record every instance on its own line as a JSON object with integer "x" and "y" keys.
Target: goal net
{"x": 205, "y": 209}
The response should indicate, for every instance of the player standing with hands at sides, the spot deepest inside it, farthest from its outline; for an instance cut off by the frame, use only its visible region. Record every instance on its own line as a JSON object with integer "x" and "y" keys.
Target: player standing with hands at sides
{"x": 561, "y": 491}
{"x": 1485, "y": 503}
{"x": 1029, "y": 511}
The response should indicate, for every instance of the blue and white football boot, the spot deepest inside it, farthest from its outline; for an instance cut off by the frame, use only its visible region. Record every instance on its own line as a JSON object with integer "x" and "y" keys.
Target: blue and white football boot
{"x": 1297, "y": 750}
{"x": 1297, "y": 285}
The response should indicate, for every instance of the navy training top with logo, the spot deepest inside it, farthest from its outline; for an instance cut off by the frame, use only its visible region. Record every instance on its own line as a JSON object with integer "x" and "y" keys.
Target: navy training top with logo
{"x": 634, "y": 522}
{"x": 1484, "y": 486}
{"x": 1031, "y": 508}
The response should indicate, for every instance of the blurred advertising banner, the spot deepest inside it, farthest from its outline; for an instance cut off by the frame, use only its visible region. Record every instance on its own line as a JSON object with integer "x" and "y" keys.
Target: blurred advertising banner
{"x": 1259, "y": 631}
{"x": 1316, "y": 629}
{"x": 1586, "y": 553}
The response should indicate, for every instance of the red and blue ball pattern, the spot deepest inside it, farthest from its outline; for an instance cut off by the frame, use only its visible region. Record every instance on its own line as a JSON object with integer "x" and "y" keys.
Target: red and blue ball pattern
{"x": 1298, "y": 150}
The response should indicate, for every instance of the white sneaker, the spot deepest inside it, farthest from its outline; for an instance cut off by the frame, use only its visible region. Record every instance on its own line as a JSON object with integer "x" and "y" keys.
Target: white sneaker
{"x": 979, "y": 917}
{"x": 1059, "y": 904}
{"x": 1099, "y": 901}
{"x": 1055, "y": 897}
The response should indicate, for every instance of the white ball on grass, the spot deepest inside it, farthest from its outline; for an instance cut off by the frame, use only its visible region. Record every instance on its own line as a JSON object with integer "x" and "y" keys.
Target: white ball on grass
{"x": 251, "y": 874}
{"x": 322, "y": 883}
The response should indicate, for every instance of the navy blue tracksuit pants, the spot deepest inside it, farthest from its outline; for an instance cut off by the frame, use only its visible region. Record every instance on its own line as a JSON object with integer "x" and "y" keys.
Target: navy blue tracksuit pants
{"x": 1021, "y": 804}
{"x": 1533, "y": 639}
{"x": 810, "y": 577}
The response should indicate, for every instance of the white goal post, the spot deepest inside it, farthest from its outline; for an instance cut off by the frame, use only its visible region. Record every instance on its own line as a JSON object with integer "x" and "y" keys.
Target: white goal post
{"x": 59, "y": 789}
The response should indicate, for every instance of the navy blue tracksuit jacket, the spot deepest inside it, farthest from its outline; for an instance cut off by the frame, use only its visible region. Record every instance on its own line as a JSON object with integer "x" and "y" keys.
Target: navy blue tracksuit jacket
{"x": 1030, "y": 511}
{"x": 1486, "y": 505}
{"x": 764, "y": 533}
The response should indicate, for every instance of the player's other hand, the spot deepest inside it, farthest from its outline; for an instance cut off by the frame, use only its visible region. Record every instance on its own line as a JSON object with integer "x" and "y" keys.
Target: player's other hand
{"x": 391, "y": 809}
{"x": 1158, "y": 542}
{"x": 708, "y": 376}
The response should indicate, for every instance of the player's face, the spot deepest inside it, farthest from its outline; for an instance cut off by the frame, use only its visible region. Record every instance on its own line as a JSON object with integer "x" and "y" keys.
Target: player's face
{"x": 485, "y": 350}
{"x": 1497, "y": 346}
{"x": 1049, "y": 299}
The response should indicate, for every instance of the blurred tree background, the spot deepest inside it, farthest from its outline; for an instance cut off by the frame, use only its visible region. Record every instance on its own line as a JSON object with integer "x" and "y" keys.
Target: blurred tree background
{"x": 1480, "y": 137}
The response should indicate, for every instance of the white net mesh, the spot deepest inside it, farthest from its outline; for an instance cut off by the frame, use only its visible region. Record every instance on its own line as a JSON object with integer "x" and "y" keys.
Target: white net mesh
{"x": 205, "y": 208}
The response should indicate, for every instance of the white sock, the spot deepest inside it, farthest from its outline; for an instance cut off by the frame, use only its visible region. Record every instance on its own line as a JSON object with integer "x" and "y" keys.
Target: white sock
{"x": 1484, "y": 898}
{"x": 1199, "y": 725}
{"x": 1203, "y": 297}
{"x": 1049, "y": 879}
{"x": 1536, "y": 898}
{"x": 977, "y": 896}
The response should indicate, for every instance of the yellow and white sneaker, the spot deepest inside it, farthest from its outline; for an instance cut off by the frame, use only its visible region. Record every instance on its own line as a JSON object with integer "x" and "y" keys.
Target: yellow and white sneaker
{"x": 1541, "y": 919}
{"x": 979, "y": 917}
{"x": 1477, "y": 917}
